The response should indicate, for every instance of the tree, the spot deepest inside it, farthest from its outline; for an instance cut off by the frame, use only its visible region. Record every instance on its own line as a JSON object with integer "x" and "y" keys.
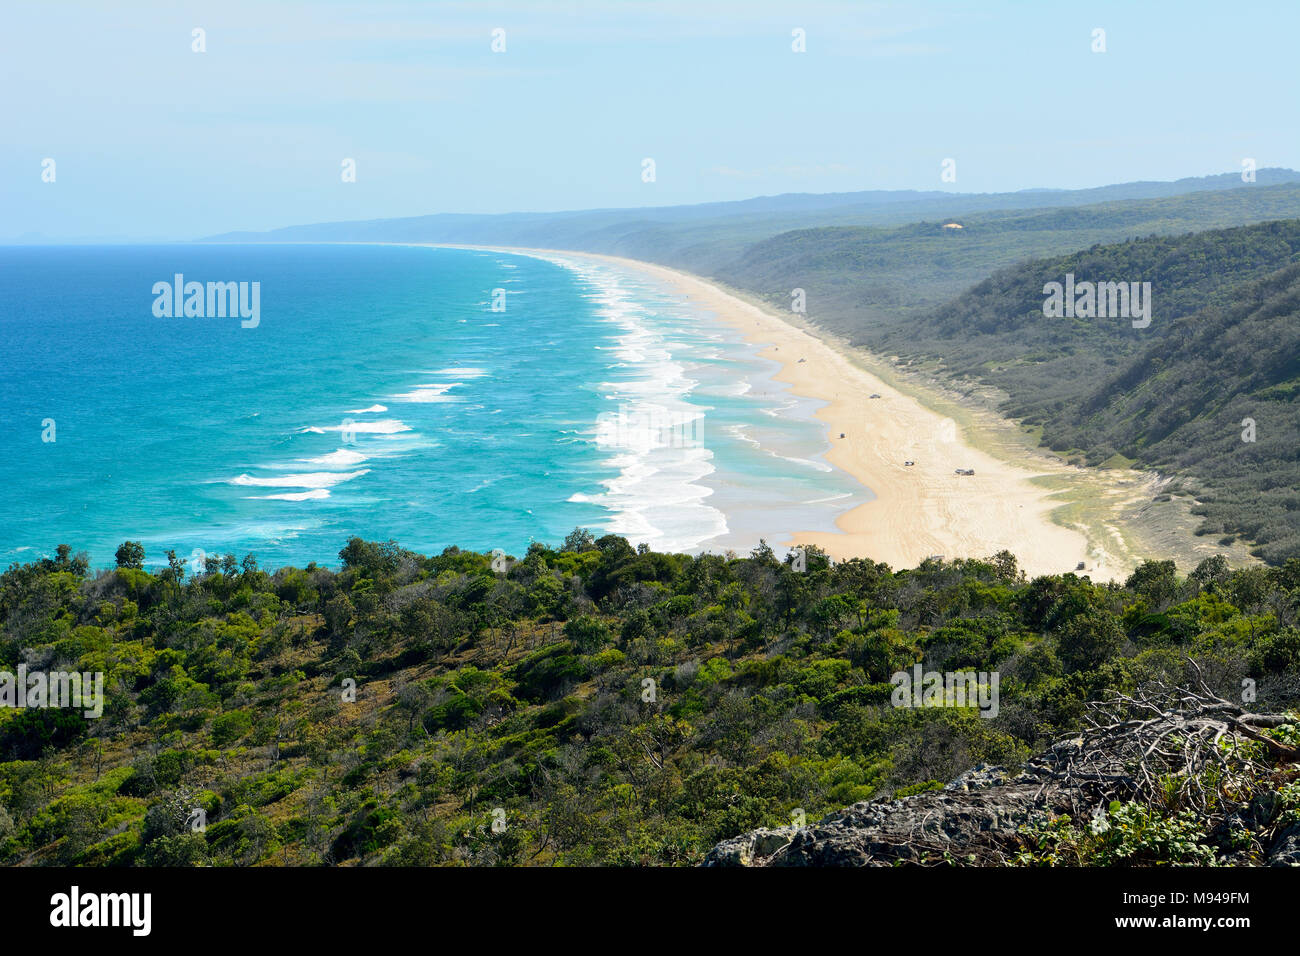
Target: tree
{"x": 130, "y": 554}
{"x": 1089, "y": 639}
{"x": 636, "y": 624}
{"x": 1210, "y": 572}
{"x": 587, "y": 633}
{"x": 338, "y": 613}
{"x": 579, "y": 539}
{"x": 1249, "y": 588}
{"x": 413, "y": 699}
{"x": 64, "y": 561}
{"x": 1007, "y": 569}
{"x": 1156, "y": 581}
{"x": 371, "y": 558}
{"x": 175, "y": 567}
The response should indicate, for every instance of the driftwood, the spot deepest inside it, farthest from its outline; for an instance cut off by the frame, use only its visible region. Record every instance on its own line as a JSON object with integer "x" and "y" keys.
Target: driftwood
{"x": 1166, "y": 743}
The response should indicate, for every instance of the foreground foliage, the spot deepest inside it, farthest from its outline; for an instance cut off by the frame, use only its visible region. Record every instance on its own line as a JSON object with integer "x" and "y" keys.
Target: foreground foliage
{"x": 596, "y": 703}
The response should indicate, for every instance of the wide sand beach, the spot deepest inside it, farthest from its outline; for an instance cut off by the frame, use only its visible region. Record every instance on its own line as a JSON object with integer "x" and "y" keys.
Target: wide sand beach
{"x": 920, "y": 509}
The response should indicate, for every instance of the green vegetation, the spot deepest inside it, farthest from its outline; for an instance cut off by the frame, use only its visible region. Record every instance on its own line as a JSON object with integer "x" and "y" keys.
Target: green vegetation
{"x": 876, "y": 286}
{"x": 1223, "y": 346}
{"x": 595, "y": 704}
{"x": 1130, "y": 834}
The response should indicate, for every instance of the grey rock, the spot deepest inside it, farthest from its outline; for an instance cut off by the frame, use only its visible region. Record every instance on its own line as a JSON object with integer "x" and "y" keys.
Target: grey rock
{"x": 1285, "y": 850}
{"x": 979, "y": 812}
{"x": 978, "y": 819}
{"x": 748, "y": 848}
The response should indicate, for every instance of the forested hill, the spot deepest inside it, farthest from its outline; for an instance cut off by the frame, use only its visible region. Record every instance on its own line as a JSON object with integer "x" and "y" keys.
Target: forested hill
{"x": 1223, "y": 346}
{"x": 997, "y": 330}
{"x": 861, "y": 282}
{"x": 599, "y": 703}
{"x": 1220, "y": 400}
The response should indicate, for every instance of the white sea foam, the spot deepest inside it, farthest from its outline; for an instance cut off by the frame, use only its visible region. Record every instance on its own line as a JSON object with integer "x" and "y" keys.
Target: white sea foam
{"x": 812, "y": 463}
{"x": 316, "y": 479}
{"x": 343, "y": 458}
{"x": 487, "y": 482}
{"x": 366, "y": 411}
{"x": 315, "y": 494}
{"x": 662, "y": 373}
{"x": 738, "y": 432}
{"x": 735, "y": 389}
{"x": 433, "y": 392}
{"x": 384, "y": 426}
{"x": 651, "y": 432}
{"x": 821, "y": 501}
{"x": 779, "y": 411}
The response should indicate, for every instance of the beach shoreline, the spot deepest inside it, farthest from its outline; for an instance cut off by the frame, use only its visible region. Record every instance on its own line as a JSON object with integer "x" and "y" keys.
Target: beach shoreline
{"x": 919, "y": 510}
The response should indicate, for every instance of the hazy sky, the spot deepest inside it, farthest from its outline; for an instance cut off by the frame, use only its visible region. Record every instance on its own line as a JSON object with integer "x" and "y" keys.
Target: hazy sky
{"x": 153, "y": 140}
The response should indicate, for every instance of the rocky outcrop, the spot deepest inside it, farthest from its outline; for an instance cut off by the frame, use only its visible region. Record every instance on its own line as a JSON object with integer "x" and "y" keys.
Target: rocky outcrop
{"x": 750, "y": 849}
{"x": 1286, "y": 848}
{"x": 977, "y": 814}
{"x": 975, "y": 820}
{"x": 1132, "y": 747}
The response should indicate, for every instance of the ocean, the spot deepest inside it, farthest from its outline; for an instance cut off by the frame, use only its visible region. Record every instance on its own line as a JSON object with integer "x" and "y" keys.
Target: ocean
{"x": 429, "y": 396}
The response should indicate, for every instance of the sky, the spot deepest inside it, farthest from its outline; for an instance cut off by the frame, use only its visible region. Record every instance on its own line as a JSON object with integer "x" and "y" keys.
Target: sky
{"x": 153, "y": 140}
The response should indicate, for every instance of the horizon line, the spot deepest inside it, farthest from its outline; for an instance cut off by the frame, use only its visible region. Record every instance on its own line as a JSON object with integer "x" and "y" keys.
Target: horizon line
{"x": 37, "y": 239}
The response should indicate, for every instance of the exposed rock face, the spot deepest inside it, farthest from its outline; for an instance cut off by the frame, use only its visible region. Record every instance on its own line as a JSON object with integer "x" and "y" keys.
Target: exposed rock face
{"x": 979, "y": 811}
{"x": 751, "y": 848}
{"x": 977, "y": 818}
{"x": 973, "y": 820}
{"x": 1286, "y": 848}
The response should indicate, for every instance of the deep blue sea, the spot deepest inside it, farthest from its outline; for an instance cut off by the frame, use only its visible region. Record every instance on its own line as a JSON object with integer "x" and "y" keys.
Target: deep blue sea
{"x": 431, "y": 396}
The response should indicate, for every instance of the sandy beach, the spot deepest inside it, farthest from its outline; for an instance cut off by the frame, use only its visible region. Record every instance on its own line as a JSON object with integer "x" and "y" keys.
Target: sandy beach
{"x": 920, "y": 509}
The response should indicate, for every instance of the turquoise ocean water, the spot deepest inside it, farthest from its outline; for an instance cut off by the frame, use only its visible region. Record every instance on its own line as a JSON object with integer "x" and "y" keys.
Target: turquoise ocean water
{"x": 382, "y": 395}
